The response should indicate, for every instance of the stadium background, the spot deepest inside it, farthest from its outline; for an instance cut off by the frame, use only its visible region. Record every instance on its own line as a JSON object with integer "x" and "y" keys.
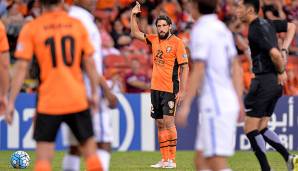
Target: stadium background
{"x": 133, "y": 128}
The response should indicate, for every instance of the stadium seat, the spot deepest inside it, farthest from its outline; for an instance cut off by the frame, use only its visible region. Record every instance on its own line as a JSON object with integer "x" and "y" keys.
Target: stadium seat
{"x": 115, "y": 61}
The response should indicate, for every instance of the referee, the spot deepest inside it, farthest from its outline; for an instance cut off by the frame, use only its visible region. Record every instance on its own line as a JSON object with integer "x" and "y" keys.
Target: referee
{"x": 269, "y": 62}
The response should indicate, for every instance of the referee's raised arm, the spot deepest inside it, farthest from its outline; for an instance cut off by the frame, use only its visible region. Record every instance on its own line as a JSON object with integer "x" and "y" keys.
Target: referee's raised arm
{"x": 135, "y": 31}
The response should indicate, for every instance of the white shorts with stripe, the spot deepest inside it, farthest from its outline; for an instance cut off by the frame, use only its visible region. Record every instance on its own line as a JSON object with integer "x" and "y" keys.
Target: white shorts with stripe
{"x": 216, "y": 133}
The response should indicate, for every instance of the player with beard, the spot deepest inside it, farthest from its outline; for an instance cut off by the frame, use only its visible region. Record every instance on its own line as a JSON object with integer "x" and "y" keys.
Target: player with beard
{"x": 169, "y": 77}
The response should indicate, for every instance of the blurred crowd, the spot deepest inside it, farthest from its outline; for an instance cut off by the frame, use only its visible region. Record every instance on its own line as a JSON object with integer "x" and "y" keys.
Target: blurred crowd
{"x": 127, "y": 61}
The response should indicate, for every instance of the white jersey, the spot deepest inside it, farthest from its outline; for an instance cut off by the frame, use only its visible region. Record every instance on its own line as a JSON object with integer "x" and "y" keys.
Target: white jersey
{"x": 101, "y": 121}
{"x": 212, "y": 42}
{"x": 87, "y": 19}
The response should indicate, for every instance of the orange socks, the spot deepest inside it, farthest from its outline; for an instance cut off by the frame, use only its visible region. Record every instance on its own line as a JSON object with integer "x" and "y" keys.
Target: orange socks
{"x": 93, "y": 163}
{"x": 163, "y": 144}
{"x": 172, "y": 138}
{"x": 42, "y": 165}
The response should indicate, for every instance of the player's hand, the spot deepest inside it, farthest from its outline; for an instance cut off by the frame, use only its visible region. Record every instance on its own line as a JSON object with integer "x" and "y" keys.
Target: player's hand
{"x": 9, "y": 113}
{"x": 179, "y": 97}
{"x": 136, "y": 9}
{"x": 93, "y": 102}
{"x": 182, "y": 114}
{"x": 3, "y": 104}
{"x": 112, "y": 100}
{"x": 282, "y": 78}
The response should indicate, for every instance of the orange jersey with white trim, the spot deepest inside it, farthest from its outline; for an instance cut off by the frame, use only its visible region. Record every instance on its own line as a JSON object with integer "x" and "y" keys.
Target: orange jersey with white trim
{"x": 167, "y": 56}
{"x": 58, "y": 42}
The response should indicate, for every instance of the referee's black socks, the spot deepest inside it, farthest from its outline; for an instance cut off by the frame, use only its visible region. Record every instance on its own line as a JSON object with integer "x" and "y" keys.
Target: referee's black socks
{"x": 272, "y": 138}
{"x": 258, "y": 145}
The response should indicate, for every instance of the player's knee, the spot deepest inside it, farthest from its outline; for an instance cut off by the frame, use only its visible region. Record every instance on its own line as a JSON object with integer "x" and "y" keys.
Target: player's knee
{"x": 251, "y": 124}
{"x": 248, "y": 128}
{"x": 45, "y": 151}
{"x": 88, "y": 148}
{"x": 160, "y": 124}
{"x": 264, "y": 123}
{"x": 169, "y": 121}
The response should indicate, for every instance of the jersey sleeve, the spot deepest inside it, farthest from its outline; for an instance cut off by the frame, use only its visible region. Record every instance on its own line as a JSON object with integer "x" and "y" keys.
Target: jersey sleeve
{"x": 25, "y": 44}
{"x": 88, "y": 48}
{"x": 199, "y": 46}
{"x": 181, "y": 53}
{"x": 280, "y": 25}
{"x": 262, "y": 38}
{"x": 3, "y": 39}
{"x": 149, "y": 38}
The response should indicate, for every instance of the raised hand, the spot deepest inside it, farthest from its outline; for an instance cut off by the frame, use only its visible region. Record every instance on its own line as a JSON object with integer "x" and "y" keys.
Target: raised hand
{"x": 136, "y": 9}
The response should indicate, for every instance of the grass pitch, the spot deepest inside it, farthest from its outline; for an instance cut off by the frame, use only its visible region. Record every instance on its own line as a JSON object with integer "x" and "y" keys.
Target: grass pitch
{"x": 139, "y": 161}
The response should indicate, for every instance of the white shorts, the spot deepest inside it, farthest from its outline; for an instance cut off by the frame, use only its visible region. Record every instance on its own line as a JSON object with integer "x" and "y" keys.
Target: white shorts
{"x": 216, "y": 134}
{"x": 102, "y": 126}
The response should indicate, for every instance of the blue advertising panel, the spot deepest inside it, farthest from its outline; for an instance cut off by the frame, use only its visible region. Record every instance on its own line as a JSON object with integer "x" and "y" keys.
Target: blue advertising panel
{"x": 133, "y": 128}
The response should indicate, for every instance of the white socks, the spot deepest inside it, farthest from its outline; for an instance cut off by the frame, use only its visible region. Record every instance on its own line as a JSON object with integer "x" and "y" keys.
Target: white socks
{"x": 71, "y": 163}
{"x": 104, "y": 158}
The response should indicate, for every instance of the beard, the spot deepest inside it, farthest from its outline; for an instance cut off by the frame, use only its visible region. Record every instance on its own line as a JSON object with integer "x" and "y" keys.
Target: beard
{"x": 166, "y": 35}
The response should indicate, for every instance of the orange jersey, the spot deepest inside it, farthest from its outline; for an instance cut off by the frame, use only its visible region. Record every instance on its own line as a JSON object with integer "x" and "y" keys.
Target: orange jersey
{"x": 58, "y": 42}
{"x": 167, "y": 56}
{"x": 3, "y": 39}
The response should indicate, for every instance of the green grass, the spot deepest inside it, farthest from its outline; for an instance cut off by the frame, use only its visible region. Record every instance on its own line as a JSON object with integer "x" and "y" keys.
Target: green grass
{"x": 138, "y": 161}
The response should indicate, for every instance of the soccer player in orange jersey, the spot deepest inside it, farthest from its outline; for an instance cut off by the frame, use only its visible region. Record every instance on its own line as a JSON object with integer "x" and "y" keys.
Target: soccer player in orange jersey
{"x": 61, "y": 46}
{"x": 4, "y": 66}
{"x": 169, "y": 77}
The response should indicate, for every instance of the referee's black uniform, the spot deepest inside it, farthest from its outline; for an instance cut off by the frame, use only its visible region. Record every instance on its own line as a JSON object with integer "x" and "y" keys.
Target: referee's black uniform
{"x": 264, "y": 90}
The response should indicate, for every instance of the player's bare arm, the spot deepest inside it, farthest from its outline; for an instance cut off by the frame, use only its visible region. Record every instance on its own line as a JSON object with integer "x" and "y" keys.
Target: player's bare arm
{"x": 89, "y": 66}
{"x": 195, "y": 82}
{"x": 4, "y": 79}
{"x": 184, "y": 71}
{"x": 4, "y": 73}
{"x": 237, "y": 76}
{"x": 135, "y": 31}
{"x": 19, "y": 72}
{"x": 238, "y": 84}
{"x": 112, "y": 99}
{"x": 291, "y": 30}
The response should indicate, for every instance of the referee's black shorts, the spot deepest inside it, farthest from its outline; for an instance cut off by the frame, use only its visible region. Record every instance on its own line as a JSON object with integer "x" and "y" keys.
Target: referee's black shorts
{"x": 263, "y": 95}
{"x": 47, "y": 126}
